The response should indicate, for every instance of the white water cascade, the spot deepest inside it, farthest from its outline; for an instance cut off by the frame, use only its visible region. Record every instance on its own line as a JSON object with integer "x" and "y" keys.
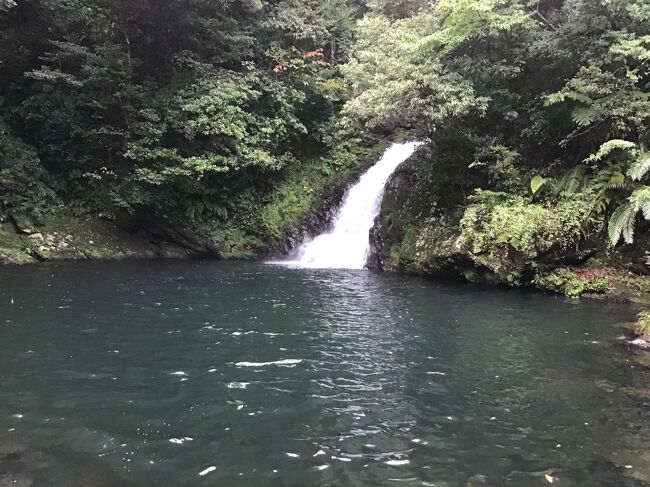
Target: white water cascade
{"x": 347, "y": 244}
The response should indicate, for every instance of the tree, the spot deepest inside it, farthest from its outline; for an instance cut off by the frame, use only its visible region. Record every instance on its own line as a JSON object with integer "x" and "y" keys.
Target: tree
{"x": 148, "y": 107}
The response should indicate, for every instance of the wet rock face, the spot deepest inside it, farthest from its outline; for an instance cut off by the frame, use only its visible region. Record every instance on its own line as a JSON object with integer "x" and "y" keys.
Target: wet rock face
{"x": 381, "y": 237}
{"x": 320, "y": 219}
{"x": 377, "y": 252}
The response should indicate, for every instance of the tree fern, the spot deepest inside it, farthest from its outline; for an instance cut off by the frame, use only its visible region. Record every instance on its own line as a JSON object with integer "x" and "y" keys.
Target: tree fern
{"x": 621, "y": 223}
{"x": 608, "y": 178}
{"x": 582, "y": 115}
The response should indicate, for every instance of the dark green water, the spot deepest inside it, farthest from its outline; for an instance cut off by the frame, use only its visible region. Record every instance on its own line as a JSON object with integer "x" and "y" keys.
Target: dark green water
{"x": 291, "y": 377}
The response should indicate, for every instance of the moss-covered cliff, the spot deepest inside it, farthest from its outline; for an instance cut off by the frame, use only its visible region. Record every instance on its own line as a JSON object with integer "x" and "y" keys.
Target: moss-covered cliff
{"x": 428, "y": 227}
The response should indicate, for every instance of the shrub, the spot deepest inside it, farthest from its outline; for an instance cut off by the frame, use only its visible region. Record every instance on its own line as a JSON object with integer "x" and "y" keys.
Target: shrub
{"x": 570, "y": 283}
{"x": 526, "y": 227}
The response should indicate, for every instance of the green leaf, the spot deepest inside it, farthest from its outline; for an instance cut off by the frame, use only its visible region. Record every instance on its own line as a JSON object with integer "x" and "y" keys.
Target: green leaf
{"x": 621, "y": 224}
{"x": 536, "y": 183}
{"x": 573, "y": 181}
{"x": 562, "y": 96}
{"x": 640, "y": 200}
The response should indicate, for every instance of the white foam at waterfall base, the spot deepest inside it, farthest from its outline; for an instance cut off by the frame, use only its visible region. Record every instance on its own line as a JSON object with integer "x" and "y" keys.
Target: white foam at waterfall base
{"x": 347, "y": 244}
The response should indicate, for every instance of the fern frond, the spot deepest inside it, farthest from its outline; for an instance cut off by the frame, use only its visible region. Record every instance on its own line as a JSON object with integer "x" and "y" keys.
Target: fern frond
{"x": 640, "y": 167}
{"x": 640, "y": 200}
{"x": 572, "y": 181}
{"x": 561, "y": 96}
{"x": 554, "y": 98}
{"x": 628, "y": 229}
{"x": 616, "y": 180}
{"x": 583, "y": 116}
{"x": 621, "y": 223}
{"x": 601, "y": 203}
{"x": 610, "y": 177}
{"x": 6, "y": 5}
{"x": 610, "y": 146}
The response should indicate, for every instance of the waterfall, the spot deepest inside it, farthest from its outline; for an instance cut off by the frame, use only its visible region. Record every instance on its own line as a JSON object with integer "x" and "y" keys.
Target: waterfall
{"x": 347, "y": 244}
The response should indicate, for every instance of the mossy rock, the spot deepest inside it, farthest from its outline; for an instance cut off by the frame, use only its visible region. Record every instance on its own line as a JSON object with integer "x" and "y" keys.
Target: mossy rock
{"x": 66, "y": 237}
{"x": 15, "y": 257}
{"x": 498, "y": 239}
{"x": 13, "y": 247}
{"x": 562, "y": 281}
{"x": 23, "y": 223}
{"x": 233, "y": 243}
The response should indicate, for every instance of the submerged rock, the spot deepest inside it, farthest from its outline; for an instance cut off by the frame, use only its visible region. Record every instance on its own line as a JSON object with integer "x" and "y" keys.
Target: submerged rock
{"x": 42, "y": 464}
{"x": 477, "y": 480}
{"x": 635, "y": 463}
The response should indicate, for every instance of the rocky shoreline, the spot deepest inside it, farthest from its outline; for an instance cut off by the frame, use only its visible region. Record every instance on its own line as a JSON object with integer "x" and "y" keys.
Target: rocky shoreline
{"x": 440, "y": 251}
{"x": 25, "y": 241}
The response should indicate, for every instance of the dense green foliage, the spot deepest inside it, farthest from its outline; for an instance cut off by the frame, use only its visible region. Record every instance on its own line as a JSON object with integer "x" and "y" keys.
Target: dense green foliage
{"x": 565, "y": 281}
{"x": 536, "y": 113}
{"x": 166, "y": 111}
{"x": 526, "y": 228}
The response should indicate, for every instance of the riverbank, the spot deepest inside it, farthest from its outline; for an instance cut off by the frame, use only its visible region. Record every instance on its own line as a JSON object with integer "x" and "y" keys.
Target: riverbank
{"x": 443, "y": 255}
{"x": 64, "y": 237}
{"x": 496, "y": 238}
{"x": 437, "y": 248}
